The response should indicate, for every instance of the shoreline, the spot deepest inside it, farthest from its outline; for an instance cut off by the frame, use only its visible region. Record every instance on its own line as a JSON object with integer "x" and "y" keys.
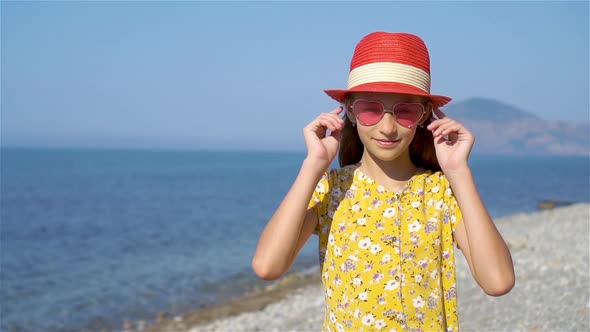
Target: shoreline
{"x": 253, "y": 301}
{"x": 550, "y": 253}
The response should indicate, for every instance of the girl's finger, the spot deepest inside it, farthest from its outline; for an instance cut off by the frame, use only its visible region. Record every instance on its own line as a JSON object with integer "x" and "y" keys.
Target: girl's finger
{"x": 330, "y": 123}
{"x": 331, "y": 116}
{"x": 337, "y": 110}
{"x": 437, "y": 123}
{"x": 448, "y": 129}
{"x": 334, "y": 123}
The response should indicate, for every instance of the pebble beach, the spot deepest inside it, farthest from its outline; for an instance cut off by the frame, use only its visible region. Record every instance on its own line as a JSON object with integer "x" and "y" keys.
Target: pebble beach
{"x": 550, "y": 250}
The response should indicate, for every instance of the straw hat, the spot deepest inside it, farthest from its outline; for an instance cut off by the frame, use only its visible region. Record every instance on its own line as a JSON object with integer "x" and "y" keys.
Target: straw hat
{"x": 390, "y": 62}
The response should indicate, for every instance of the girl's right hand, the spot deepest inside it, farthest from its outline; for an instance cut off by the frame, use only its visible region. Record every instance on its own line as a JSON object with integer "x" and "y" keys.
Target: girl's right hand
{"x": 321, "y": 147}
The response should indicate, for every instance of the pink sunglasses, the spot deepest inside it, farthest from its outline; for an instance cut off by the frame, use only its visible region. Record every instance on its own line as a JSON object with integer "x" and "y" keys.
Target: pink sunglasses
{"x": 370, "y": 112}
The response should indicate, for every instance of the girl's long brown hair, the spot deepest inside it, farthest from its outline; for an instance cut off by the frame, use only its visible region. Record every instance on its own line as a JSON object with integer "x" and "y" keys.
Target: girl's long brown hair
{"x": 422, "y": 152}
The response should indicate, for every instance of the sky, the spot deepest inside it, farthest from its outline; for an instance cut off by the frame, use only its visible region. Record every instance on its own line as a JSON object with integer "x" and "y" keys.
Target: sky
{"x": 251, "y": 75}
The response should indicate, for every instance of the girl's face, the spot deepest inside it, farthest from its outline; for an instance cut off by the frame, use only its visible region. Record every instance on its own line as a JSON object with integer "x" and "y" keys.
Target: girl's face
{"x": 389, "y": 138}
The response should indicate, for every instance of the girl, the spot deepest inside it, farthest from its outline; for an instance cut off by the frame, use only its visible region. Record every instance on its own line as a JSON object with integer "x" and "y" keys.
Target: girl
{"x": 389, "y": 218}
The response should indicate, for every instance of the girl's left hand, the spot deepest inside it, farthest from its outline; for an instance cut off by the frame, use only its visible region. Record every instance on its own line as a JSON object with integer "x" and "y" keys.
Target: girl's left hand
{"x": 452, "y": 153}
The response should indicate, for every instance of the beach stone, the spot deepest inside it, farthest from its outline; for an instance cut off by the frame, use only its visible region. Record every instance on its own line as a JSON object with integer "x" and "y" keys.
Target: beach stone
{"x": 141, "y": 325}
{"x": 517, "y": 243}
{"x": 127, "y": 325}
{"x": 161, "y": 316}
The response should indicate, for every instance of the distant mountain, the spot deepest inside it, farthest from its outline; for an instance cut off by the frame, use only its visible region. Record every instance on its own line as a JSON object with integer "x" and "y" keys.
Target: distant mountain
{"x": 504, "y": 129}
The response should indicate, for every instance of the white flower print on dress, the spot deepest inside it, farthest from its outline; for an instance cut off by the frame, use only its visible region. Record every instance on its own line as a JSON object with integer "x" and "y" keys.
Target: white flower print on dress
{"x": 361, "y": 221}
{"x": 380, "y": 189}
{"x": 377, "y": 204}
{"x": 416, "y": 204}
{"x": 415, "y": 226}
{"x": 439, "y": 205}
{"x": 332, "y": 317}
{"x": 337, "y": 251}
{"x": 363, "y": 296}
{"x": 379, "y": 324}
{"x": 375, "y": 249}
{"x": 418, "y": 278}
{"x": 389, "y": 212}
{"x": 336, "y": 192}
{"x": 386, "y": 258}
{"x": 434, "y": 274}
{"x": 418, "y": 302}
{"x": 320, "y": 188}
{"x": 331, "y": 239}
{"x": 339, "y": 327}
{"x": 357, "y": 281}
{"x": 368, "y": 319}
{"x": 357, "y": 313}
{"x": 434, "y": 190}
{"x": 356, "y": 207}
{"x": 392, "y": 285}
{"x": 364, "y": 243}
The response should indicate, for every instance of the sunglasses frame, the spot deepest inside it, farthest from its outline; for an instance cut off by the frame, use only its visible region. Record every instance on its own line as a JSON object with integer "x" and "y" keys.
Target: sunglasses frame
{"x": 386, "y": 111}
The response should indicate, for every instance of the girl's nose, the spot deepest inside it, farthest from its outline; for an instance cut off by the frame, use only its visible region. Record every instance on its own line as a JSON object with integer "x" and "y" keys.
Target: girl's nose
{"x": 387, "y": 125}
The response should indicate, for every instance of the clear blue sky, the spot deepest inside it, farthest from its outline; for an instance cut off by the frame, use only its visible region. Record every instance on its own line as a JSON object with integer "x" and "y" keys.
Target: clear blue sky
{"x": 250, "y": 75}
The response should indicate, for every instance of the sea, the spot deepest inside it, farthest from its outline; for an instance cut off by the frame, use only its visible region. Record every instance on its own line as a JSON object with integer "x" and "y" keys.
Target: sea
{"x": 92, "y": 237}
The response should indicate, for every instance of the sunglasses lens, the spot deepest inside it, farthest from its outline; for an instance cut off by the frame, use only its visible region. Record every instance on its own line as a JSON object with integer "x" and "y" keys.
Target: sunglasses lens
{"x": 368, "y": 112}
{"x": 408, "y": 114}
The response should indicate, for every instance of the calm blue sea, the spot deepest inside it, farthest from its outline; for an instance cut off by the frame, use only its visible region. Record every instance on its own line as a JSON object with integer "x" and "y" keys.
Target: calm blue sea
{"x": 92, "y": 237}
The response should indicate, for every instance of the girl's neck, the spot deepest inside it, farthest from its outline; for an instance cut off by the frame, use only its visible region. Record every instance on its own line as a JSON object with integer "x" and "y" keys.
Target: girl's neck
{"x": 386, "y": 172}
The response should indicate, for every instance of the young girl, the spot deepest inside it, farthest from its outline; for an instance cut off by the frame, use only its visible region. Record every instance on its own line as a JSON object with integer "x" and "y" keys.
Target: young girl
{"x": 388, "y": 219}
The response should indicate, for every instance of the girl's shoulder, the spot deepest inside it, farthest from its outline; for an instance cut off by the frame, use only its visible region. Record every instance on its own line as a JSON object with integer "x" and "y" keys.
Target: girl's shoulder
{"x": 430, "y": 175}
{"x": 342, "y": 173}
{"x": 339, "y": 177}
{"x": 431, "y": 179}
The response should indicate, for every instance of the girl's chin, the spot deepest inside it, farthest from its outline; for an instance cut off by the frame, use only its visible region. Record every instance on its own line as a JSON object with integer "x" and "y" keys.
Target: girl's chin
{"x": 383, "y": 154}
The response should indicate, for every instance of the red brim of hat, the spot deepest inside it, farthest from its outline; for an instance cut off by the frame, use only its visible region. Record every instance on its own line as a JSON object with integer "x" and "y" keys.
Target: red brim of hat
{"x": 388, "y": 87}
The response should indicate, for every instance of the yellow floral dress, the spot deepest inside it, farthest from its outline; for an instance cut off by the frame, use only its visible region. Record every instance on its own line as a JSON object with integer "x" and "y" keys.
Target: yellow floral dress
{"x": 387, "y": 259}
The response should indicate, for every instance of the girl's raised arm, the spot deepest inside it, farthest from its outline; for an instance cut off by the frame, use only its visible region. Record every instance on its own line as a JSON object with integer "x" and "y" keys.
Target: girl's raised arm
{"x": 477, "y": 236}
{"x": 292, "y": 223}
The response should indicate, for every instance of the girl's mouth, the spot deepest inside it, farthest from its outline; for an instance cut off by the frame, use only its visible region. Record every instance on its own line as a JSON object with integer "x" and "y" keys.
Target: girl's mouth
{"x": 387, "y": 143}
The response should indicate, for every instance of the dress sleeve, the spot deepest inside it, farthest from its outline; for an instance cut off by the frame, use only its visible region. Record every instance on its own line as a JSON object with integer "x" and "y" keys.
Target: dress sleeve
{"x": 452, "y": 212}
{"x": 319, "y": 201}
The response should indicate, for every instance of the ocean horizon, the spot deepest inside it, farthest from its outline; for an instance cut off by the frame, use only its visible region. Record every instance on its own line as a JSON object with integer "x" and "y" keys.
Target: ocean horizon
{"x": 91, "y": 237}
